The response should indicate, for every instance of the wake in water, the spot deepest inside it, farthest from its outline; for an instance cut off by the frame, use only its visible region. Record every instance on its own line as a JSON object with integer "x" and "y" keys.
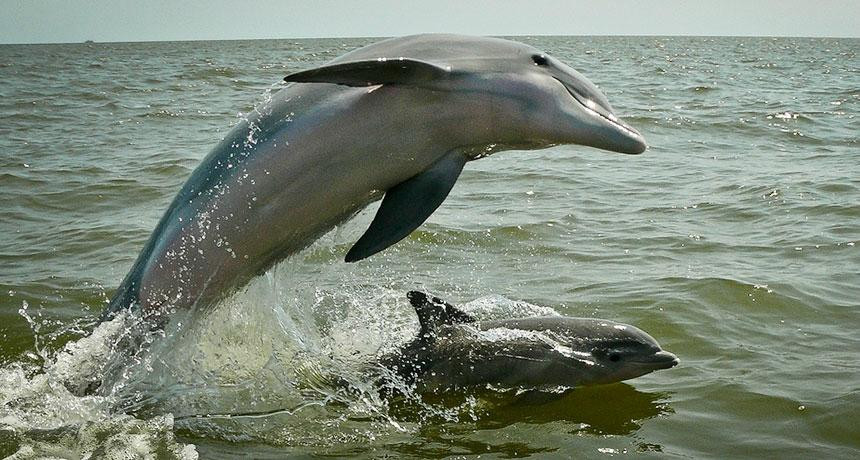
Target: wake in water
{"x": 281, "y": 366}
{"x": 272, "y": 365}
{"x": 291, "y": 360}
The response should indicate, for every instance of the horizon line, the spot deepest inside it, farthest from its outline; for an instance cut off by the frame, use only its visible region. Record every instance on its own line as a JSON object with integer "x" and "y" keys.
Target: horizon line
{"x": 90, "y": 41}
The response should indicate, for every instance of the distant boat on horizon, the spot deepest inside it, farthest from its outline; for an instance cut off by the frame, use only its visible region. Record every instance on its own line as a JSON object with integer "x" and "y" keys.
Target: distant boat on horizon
{"x": 89, "y": 41}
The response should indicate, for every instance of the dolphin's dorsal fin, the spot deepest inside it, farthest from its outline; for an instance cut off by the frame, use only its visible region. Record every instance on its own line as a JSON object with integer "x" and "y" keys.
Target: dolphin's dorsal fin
{"x": 433, "y": 312}
{"x": 382, "y": 71}
{"x": 455, "y": 315}
{"x": 407, "y": 205}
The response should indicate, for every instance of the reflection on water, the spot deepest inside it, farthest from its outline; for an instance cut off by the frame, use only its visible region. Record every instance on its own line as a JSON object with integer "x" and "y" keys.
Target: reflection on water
{"x": 486, "y": 422}
{"x": 617, "y": 409}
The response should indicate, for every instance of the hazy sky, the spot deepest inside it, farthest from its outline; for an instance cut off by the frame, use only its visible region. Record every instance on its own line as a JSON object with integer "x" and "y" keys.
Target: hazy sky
{"x": 50, "y": 21}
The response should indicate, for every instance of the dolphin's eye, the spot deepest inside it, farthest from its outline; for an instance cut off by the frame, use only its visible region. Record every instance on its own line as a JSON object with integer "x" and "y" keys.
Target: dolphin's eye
{"x": 540, "y": 59}
{"x": 615, "y": 357}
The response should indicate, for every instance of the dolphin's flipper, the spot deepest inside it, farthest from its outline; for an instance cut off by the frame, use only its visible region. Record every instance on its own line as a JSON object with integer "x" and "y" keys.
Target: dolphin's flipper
{"x": 407, "y": 205}
{"x": 375, "y": 72}
{"x": 434, "y": 311}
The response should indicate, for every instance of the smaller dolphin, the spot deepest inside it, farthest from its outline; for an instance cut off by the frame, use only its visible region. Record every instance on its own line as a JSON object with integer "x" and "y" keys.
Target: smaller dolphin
{"x": 454, "y": 351}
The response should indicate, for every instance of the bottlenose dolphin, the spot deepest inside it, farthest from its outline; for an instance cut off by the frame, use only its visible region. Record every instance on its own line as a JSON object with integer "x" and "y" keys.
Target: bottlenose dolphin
{"x": 453, "y": 351}
{"x": 397, "y": 118}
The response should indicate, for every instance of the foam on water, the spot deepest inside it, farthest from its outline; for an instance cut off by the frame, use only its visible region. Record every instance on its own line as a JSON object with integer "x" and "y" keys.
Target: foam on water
{"x": 47, "y": 415}
{"x": 278, "y": 362}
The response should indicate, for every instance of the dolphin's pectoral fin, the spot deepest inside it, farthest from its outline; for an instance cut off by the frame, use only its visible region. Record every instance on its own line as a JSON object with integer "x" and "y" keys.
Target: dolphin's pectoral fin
{"x": 434, "y": 311}
{"x": 407, "y": 205}
{"x": 375, "y": 72}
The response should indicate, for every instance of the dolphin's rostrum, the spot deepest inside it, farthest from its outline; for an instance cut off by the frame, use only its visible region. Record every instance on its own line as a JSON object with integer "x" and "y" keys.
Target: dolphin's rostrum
{"x": 397, "y": 118}
{"x": 454, "y": 351}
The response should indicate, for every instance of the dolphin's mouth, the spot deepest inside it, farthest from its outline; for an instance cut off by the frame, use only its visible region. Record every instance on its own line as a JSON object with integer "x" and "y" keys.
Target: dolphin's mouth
{"x": 595, "y": 109}
{"x": 660, "y": 360}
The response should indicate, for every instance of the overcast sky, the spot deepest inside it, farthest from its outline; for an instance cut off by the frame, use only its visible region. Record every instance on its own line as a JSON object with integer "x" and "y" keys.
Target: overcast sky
{"x": 51, "y": 21}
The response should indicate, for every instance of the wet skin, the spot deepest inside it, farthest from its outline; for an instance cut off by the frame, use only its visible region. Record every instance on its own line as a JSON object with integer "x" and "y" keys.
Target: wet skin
{"x": 340, "y": 137}
{"x": 452, "y": 350}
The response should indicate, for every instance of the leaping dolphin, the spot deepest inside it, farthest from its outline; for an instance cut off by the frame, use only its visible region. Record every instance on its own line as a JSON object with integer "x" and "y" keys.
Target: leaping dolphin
{"x": 454, "y": 351}
{"x": 399, "y": 117}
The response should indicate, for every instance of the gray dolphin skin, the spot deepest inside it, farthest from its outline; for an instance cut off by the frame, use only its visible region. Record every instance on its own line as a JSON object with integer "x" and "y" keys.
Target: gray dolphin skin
{"x": 453, "y": 351}
{"x": 397, "y": 118}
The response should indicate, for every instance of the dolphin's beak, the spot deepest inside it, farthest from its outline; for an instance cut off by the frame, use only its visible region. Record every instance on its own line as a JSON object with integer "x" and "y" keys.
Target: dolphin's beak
{"x": 663, "y": 360}
{"x": 611, "y": 133}
{"x": 629, "y": 140}
{"x": 605, "y": 130}
{"x": 659, "y": 360}
{"x": 608, "y": 132}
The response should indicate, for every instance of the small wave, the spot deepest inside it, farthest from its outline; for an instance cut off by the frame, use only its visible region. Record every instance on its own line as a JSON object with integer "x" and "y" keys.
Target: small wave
{"x": 642, "y": 120}
{"x": 784, "y": 115}
{"x": 162, "y": 113}
{"x": 33, "y": 117}
{"x": 844, "y": 187}
{"x": 737, "y": 295}
{"x": 760, "y": 64}
{"x": 445, "y": 235}
{"x": 830, "y": 211}
{"x": 499, "y": 307}
{"x": 209, "y": 73}
{"x": 701, "y": 89}
{"x": 21, "y": 181}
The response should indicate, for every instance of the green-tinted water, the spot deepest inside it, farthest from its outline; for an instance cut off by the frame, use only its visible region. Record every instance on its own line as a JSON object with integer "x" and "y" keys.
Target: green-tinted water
{"x": 731, "y": 241}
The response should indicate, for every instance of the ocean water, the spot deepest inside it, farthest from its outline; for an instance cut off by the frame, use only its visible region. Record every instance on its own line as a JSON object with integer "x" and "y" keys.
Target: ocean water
{"x": 732, "y": 241}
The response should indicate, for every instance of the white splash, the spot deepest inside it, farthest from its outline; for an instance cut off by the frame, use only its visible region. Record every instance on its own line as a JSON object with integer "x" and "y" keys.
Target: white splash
{"x": 44, "y": 413}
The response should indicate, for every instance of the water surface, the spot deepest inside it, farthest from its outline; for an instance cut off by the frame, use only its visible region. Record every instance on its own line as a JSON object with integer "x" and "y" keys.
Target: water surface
{"x": 731, "y": 241}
